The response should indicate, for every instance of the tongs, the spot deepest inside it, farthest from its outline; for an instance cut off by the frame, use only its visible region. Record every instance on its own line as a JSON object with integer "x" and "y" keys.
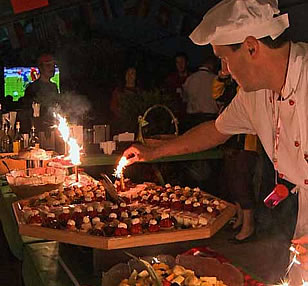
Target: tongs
{"x": 110, "y": 189}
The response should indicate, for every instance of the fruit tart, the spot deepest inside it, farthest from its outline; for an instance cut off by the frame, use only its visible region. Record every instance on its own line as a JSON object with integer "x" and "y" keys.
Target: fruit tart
{"x": 64, "y": 217}
{"x": 51, "y": 221}
{"x": 35, "y": 218}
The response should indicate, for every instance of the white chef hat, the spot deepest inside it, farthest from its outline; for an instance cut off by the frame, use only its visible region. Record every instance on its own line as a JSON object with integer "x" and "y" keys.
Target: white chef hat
{"x": 231, "y": 21}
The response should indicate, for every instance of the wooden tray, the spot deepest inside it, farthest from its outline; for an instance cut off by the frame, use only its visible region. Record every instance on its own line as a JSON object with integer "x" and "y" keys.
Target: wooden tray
{"x": 100, "y": 242}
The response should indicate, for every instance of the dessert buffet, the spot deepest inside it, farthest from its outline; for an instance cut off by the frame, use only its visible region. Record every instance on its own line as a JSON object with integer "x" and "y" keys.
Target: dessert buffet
{"x": 144, "y": 214}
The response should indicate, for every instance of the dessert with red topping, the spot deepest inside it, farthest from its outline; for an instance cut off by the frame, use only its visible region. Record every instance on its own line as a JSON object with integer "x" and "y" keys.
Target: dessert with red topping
{"x": 153, "y": 226}
{"x": 166, "y": 222}
{"x": 121, "y": 229}
{"x": 71, "y": 225}
{"x": 176, "y": 204}
{"x": 136, "y": 227}
{"x": 86, "y": 225}
{"x": 123, "y": 207}
{"x": 165, "y": 202}
{"x": 101, "y": 212}
{"x": 188, "y": 206}
{"x": 64, "y": 217}
{"x": 35, "y": 218}
{"x": 98, "y": 229}
{"x": 197, "y": 208}
{"x": 77, "y": 216}
{"x": 51, "y": 221}
{"x": 91, "y": 212}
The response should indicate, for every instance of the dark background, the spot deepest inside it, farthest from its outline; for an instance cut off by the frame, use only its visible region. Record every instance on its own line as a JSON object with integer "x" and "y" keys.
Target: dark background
{"x": 95, "y": 40}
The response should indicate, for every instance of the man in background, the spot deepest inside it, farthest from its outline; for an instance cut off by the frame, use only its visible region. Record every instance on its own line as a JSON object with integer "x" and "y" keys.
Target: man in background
{"x": 43, "y": 92}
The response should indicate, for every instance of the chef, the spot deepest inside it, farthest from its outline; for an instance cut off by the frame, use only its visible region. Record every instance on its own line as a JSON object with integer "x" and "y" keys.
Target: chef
{"x": 272, "y": 102}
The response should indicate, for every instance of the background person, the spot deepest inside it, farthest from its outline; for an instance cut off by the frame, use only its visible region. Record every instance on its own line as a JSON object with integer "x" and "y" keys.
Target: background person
{"x": 41, "y": 91}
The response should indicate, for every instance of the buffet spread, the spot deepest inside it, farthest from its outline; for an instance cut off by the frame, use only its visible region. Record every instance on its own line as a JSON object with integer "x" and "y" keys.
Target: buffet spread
{"x": 145, "y": 214}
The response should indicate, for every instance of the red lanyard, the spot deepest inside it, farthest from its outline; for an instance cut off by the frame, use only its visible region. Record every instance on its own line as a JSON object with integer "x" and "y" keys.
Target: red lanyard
{"x": 276, "y": 132}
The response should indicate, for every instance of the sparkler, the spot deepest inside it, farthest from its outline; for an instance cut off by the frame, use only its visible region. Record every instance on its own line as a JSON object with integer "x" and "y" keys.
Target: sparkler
{"x": 118, "y": 172}
{"x": 63, "y": 129}
{"x": 74, "y": 149}
{"x": 74, "y": 155}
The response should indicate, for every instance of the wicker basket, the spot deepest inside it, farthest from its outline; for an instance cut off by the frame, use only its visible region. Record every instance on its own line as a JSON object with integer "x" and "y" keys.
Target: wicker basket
{"x": 31, "y": 182}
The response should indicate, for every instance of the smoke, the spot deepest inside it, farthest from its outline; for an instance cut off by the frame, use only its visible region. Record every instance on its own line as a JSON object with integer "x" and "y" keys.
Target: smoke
{"x": 75, "y": 107}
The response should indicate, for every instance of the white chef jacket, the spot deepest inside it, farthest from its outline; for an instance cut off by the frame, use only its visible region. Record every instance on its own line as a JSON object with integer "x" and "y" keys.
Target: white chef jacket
{"x": 252, "y": 113}
{"x": 198, "y": 89}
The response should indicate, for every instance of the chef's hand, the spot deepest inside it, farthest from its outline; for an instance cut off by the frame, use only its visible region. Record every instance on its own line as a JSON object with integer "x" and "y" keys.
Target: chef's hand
{"x": 138, "y": 153}
{"x": 302, "y": 250}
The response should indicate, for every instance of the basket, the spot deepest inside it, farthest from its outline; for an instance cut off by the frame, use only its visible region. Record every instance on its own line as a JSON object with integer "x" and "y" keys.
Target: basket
{"x": 34, "y": 181}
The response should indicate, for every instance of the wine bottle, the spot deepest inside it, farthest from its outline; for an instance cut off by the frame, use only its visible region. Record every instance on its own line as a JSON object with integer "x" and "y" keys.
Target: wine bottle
{"x": 6, "y": 141}
{"x": 18, "y": 142}
{"x": 34, "y": 140}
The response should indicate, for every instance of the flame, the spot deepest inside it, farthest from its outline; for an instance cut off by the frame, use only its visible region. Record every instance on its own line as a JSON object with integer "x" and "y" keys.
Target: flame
{"x": 74, "y": 151}
{"x": 63, "y": 127}
{"x": 74, "y": 148}
{"x": 118, "y": 172}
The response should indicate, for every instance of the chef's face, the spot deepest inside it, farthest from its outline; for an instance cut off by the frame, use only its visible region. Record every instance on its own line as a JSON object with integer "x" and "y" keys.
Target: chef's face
{"x": 237, "y": 63}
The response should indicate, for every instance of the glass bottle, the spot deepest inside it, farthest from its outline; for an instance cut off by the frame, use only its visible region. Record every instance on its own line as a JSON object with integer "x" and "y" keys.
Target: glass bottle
{"x": 6, "y": 141}
{"x": 34, "y": 140}
{"x": 18, "y": 142}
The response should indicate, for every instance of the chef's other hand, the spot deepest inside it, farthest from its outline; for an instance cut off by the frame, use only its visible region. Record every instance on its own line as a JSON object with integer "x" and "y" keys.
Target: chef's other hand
{"x": 137, "y": 153}
{"x": 302, "y": 240}
{"x": 302, "y": 250}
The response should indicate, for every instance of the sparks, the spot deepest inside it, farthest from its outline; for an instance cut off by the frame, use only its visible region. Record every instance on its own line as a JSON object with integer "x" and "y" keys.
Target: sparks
{"x": 118, "y": 172}
{"x": 63, "y": 127}
{"x": 74, "y": 151}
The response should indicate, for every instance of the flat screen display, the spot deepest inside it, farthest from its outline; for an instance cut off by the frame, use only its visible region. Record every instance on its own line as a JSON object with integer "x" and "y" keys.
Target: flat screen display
{"x": 16, "y": 80}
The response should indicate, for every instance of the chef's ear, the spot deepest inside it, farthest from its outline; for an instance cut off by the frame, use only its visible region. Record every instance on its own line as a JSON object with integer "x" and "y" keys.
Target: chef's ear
{"x": 252, "y": 45}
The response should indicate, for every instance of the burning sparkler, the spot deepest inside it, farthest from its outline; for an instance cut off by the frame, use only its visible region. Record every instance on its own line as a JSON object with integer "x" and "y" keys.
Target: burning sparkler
{"x": 63, "y": 129}
{"x": 118, "y": 172}
{"x": 74, "y": 149}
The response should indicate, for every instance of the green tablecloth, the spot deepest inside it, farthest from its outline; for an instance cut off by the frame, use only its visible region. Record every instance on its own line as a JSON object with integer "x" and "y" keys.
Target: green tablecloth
{"x": 9, "y": 225}
{"x": 102, "y": 159}
{"x": 41, "y": 267}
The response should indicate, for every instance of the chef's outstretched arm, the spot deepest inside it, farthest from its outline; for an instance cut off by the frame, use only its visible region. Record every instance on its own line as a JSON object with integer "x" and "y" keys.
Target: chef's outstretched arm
{"x": 199, "y": 138}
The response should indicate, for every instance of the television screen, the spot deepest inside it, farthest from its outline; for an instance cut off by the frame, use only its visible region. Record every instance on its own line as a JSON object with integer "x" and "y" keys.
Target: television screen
{"x": 16, "y": 80}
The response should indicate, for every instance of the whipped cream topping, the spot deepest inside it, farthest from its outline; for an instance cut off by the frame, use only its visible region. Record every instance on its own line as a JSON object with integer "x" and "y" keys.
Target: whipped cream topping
{"x": 35, "y": 212}
{"x": 167, "y": 186}
{"x": 90, "y": 209}
{"x": 123, "y": 205}
{"x": 113, "y": 215}
{"x": 135, "y": 221}
{"x": 134, "y": 213}
{"x": 124, "y": 214}
{"x": 122, "y": 225}
{"x": 86, "y": 219}
{"x": 209, "y": 209}
{"x": 156, "y": 198}
{"x": 95, "y": 220}
{"x": 71, "y": 222}
{"x": 153, "y": 222}
{"x": 100, "y": 208}
{"x": 187, "y": 189}
{"x": 188, "y": 202}
{"x": 165, "y": 215}
{"x": 77, "y": 209}
{"x": 196, "y": 204}
{"x": 51, "y": 215}
{"x": 165, "y": 199}
{"x": 66, "y": 211}
{"x": 177, "y": 187}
